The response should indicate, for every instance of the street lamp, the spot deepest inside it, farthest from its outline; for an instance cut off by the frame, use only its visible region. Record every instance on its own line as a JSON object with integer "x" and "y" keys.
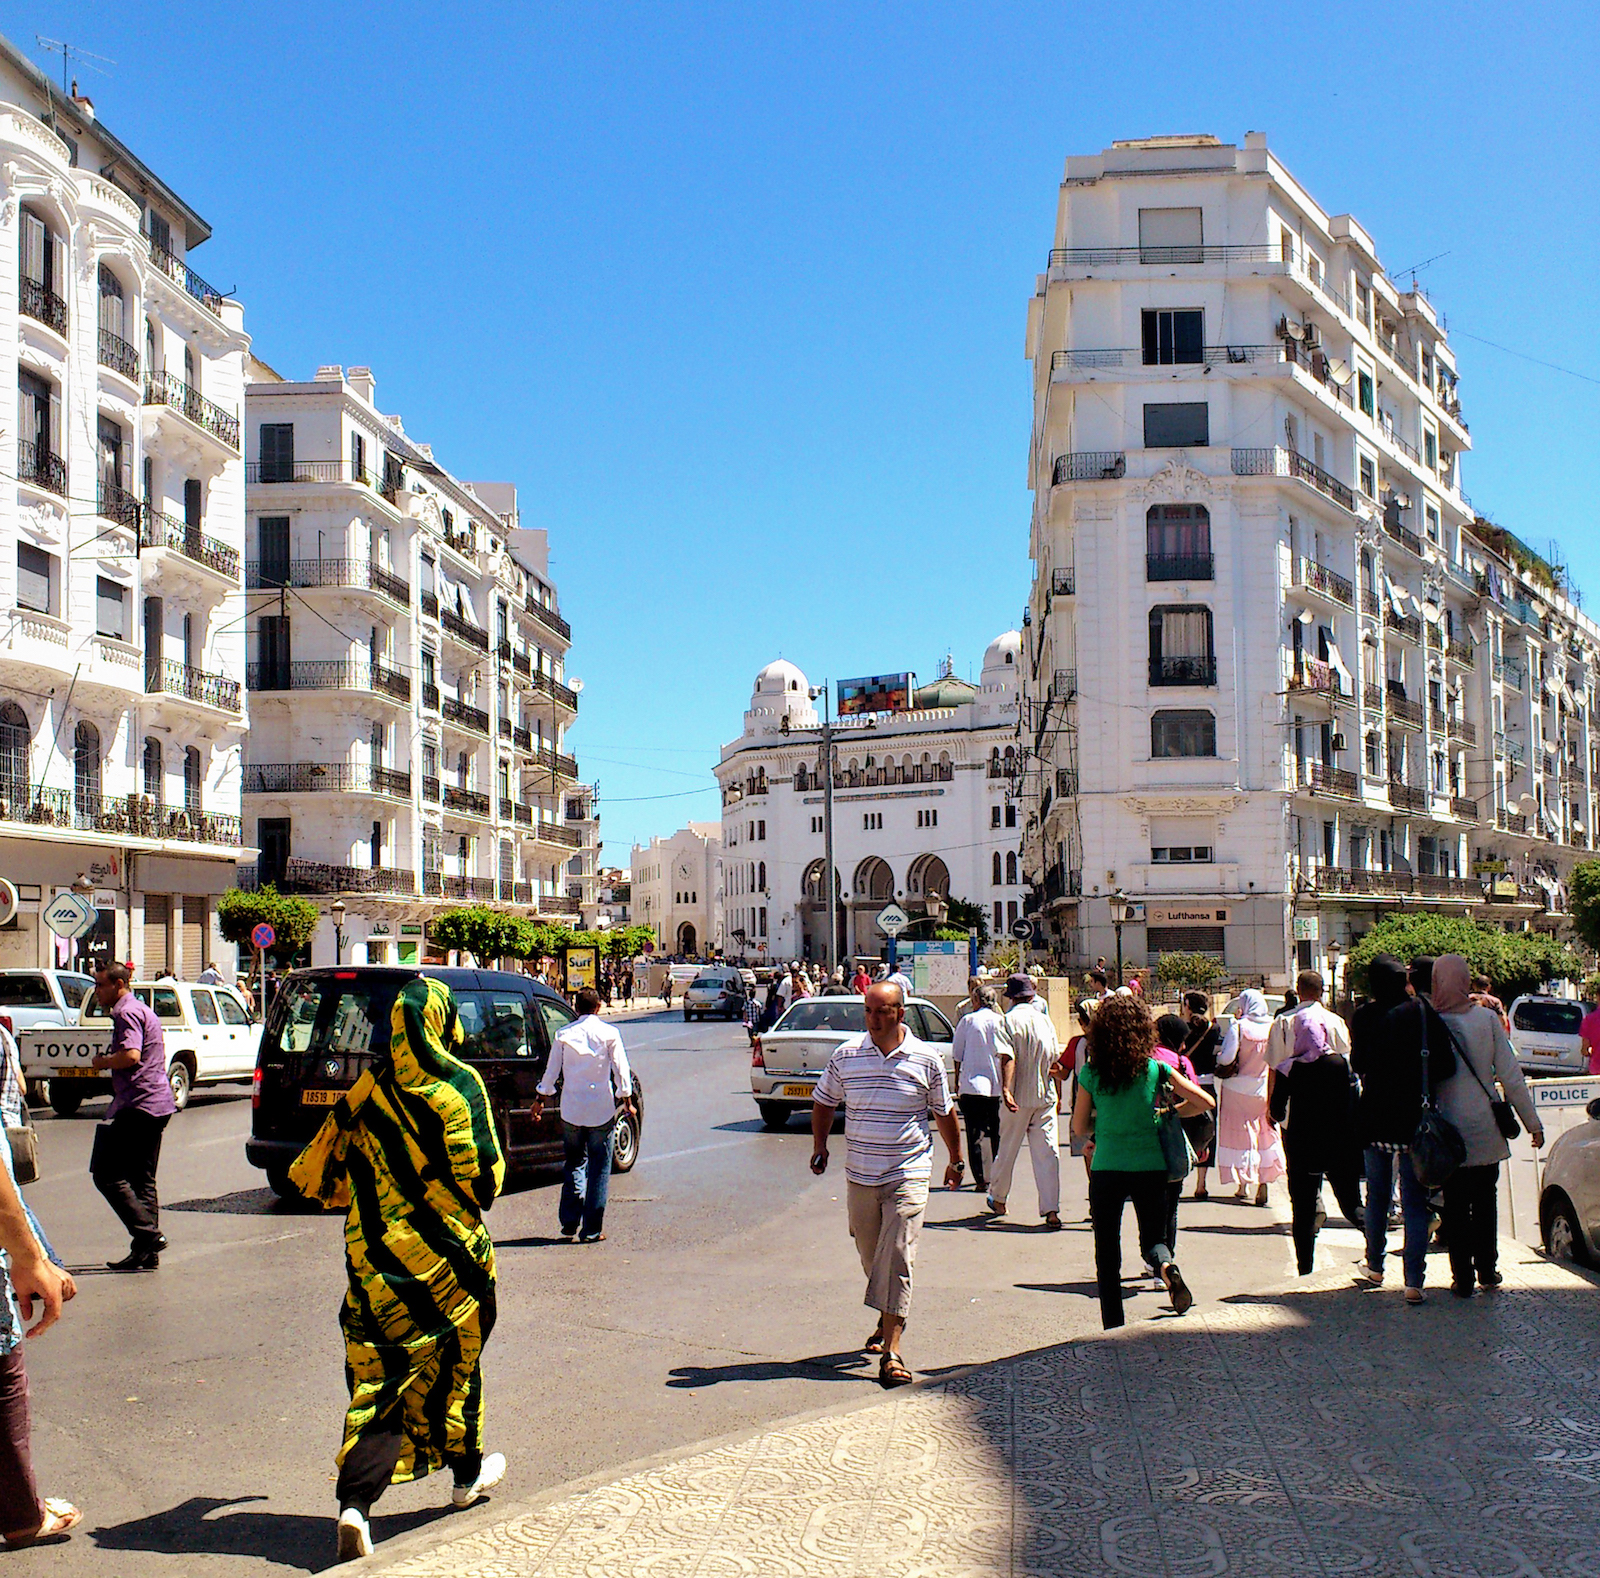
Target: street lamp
{"x": 1333, "y": 972}
{"x": 336, "y": 909}
{"x": 1119, "y": 914}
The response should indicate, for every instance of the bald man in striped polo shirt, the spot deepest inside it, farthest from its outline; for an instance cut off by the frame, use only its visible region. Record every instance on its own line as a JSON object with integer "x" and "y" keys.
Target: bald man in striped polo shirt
{"x": 890, "y": 1084}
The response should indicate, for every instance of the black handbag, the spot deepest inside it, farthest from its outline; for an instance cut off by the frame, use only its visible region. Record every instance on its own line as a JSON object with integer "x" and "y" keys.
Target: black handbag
{"x": 1437, "y": 1149}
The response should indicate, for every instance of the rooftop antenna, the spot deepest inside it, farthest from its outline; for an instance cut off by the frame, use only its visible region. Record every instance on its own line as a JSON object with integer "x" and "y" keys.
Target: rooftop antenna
{"x": 70, "y": 52}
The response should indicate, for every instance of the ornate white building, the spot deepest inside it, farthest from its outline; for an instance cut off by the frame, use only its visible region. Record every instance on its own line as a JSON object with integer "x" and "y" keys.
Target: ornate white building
{"x": 921, "y": 806}
{"x": 1280, "y": 677}
{"x": 409, "y": 699}
{"x": 676, "y": 888}
{"x": 122, "y": 643}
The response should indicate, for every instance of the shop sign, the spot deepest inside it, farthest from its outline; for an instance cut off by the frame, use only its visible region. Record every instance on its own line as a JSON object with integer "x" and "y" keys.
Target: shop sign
{"x": 1192, "y": 914}
{"x": 1306, "y": 928}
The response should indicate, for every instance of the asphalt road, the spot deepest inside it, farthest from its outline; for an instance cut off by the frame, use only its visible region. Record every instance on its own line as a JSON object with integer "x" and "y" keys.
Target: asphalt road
{"x": 193, "y": 1414}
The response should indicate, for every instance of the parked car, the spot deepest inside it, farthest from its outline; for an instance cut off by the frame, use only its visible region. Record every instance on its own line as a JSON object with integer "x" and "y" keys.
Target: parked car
{"x": 718, "y": 991}
{"x": 42, "y": 997}
{"x": 1544, "y": 1034}
{"x": 787, "y": 1060}
{"x": 326, "y": 1027}
{"x": 1569, "y": 1202}
{"x": 210, "y": 1039}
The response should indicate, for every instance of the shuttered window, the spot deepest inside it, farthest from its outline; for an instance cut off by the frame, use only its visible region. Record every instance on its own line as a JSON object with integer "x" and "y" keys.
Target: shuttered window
{"x": 1185, "y": 939}
{"x": 1170, "y": 235}
{"x": 277, "y": 451}
{"x": 157, "y": 917}
{"x": 272, "y": 537}
{"x": 34, "y": 578}
{"x": 192, "y": 957}
{"x": 111, "y": 609}
{"x": 113, "y": 304}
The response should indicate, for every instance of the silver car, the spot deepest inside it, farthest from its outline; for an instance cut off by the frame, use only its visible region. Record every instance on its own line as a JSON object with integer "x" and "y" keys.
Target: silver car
{"x": 787, "y": 1060}
{"x": 1544, "y": 1034}
{"x": 1569, "y": 1201}
{"x": 718, "y": 991}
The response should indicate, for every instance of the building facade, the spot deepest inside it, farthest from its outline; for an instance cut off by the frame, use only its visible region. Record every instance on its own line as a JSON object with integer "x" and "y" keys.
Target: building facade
{"x": 121, "y": 645}
{"x": 1280, "y": 678}
{"x": 676, "y": 888}
{"x": 409, "y": 702}
{"x": 924, "y": 804}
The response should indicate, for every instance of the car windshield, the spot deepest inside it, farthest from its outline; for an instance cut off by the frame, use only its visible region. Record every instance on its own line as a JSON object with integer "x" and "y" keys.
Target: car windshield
{"x": 711, "y": 979}
{"x": 25, "y": 991}
{"x": 1549, "y": 1019}
{"x": 826, "y": 1013}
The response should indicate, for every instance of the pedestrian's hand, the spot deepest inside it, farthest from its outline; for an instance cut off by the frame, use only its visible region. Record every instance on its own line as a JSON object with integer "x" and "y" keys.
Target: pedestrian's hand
{"x": 819, "y": 1162}
{"x": 1009, "y": 1100}
{"x": 69, "y": 1288}
{"x": 39, "y": 1289}
{"x": 953, "y": 1174}
{"x": 1536, "y": 1138}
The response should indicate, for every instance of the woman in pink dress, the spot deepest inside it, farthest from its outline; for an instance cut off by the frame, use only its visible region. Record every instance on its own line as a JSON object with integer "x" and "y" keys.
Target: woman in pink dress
{"x": 1248, "y": 1149}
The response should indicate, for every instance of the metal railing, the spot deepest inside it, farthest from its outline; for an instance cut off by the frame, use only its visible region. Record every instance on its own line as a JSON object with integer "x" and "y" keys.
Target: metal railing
{"x": 1063, "y": 583}
{"x": 117, "y": 504}
{"x": 470, "y": 801}
{"x": 505, "y": 728}
{"x": 1464, "y": 808}
{"x": 163, "y": 389}
{"x": 430, "y": 696}
{"x": 555, "y": 833}
{"x": 326, "y": 778}
{"x": 181, "y": 274}
{"x": 429, "y": 603}
{"x": 522, "y": 663}
{"x": 431, "y": 789}
{"x": 1089, "y": 465}
{"x": 114, "y": 352}
{"x": 1510, "y": 821}
{"x": 157, "y": 529}
{"x": 359, "y": 574}
{"x": 564, "y": 766}
{"x": 1320, "y": 366}
{"x": 1373, "y": 696}
{"x": 476, "y": 719}
{"x": 1276, "y": 461}
{"x": 547, "y": 617}
{"x": 1460, "y": 652}
{"x": 1462, "y": 729}
{"x": 42, "y": 468}
{"x": 137, "y": 816}
{"x": 329, "y": 674}
{"x": 35, "y": 301}
{"x": 384, "y": 482}
{"x": 1115, "y": 257}
{"x": 1406, "y": 539}
{"x": 1312, "y": 674}
{"x": 1407, "y": 625}
{"x": 1512, "y": 673}
{"x": 1066, "y": 780}
{"x": 1395, "y": 884}
{"x": 1406, "y": 797}
{"x": 463, "y": 629}
{"x": 559, "y": 904}
{"x": 1179, "y": 567}
{"x": 1183, "y": 670}
{"x": 1319, "y": 578}
{"x": 565, "y": 694}
{"x": 1210, "y": 356}
{"x": 1404, "y": 710}
{"x": 166, "y": 676}
{"x": 1064, "y": 684}
{"x": 1324, "y": 779}
{"x": 471, "y": 889}
{"x": 522, "y": 738}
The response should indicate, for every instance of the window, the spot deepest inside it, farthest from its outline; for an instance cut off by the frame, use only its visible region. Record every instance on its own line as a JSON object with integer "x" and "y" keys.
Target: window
{"x": 871, "y": 821}
{"x": 110, "y": 609}
{"x": 205, "y": 1007}
{"x": 42, "y": 273}
{"x": 1181, "y": 651}
{"x": 114, "y": 310}
{"x": 193, "y": 503}
{"x": 16, "y": 740}
{"x": 1430, "y": 517}
{"x": 998, "y": 922}
{"x": 1183, "y": 734}
{"x": 39, "y": 430}
{"x": 153, "y": 771}
{"x": 1184, "y": 425}
{"x": 272, "y": 548}
{"x": 928, "y": 818}
{"x": 761, "y": 831}
{"x": 36, "y": 575}
{"x": 1430, "y": 448}
{"x": 193, "y": 779}
{"x": 1368, "y": 476}
{"x": 1011, "y": 816}
{"x": 1364, "y": 305}
{"x": 762, "y": 914}
{"x": 994, "y": 869}
{"x": 86, "y": 769}
{"x": 1177, "y": 542}
{"x": 761, "y": 876}
{"x": 994, "y": 816}
{"x": 1366, "y": 393}
{"x": 277, "y": 451}
{"x": 358, "y": 457}
{"x": 1181, "y": 854}
{"x": 272, "y": 637}
{"x": 1011, "y": 868}
{"x": 1172, "y": 337}
{"x": 1170, "y": 235}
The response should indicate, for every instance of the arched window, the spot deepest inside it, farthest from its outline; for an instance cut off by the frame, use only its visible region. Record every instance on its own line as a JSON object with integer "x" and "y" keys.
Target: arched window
{"x": 1177, "y": 543}
{"x": 86, "y": 770}
{"x": 191, "y": 368}
{"x": 995, "y": 869}
{"x": 192, "y": 779}
{"x": 1011, "y": 868}
{"x": 150, "y": 363}
{"x": 1181, "y": 647}
{"x": 15, "y": 740}
{"x": 874, "y": 880}
{"x": 153, "y": 770}
{"x": 761, "y": 877}
{"x": 1183, "y": 734}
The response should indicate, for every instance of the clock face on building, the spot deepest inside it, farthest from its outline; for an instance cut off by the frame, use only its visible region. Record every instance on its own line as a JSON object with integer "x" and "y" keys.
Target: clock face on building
{"x": 683, "y": 868}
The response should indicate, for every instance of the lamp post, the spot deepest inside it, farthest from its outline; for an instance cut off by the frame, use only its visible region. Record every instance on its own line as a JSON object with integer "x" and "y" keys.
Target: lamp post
{"x": 336, "y": 909}
{"x": 827, "y": 820}
{"x": 1334, "y": 951}
{"x": 1119, "y": 913}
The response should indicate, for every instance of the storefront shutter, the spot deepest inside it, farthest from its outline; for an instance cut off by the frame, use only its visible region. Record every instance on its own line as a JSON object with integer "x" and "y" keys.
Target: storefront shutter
{"x": 157, "y": 915}
{"x": 194, "y": 936}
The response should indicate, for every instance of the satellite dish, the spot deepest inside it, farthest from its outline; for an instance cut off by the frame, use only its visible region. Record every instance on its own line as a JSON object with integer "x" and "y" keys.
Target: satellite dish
{"x": 575, "y": 686}
{"x": 1338, "y": 371}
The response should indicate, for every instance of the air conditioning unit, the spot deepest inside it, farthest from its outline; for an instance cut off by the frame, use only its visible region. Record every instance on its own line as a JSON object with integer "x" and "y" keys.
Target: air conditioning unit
{"x": 1338, "y": 742}
{"x": 1313, "y": 336}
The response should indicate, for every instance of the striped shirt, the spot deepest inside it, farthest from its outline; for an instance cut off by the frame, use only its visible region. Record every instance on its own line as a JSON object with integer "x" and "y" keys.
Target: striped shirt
{"x": 887, "y": 1100}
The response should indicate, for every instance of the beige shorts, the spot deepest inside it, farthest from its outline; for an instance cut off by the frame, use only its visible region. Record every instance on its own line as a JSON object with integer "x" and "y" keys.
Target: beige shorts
{"x": 885, "y": 1222}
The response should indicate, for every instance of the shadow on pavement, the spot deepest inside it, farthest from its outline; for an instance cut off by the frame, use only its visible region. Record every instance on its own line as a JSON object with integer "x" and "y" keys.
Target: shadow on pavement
{"x": 1237, "y": 1229}
{"x": 243, "y": 1202}
{"x": 292, "y": 1538}
{"x": 534, "y": 1241}
{"x": 852, "y": 1366}
{"x": 744, "y": 1126}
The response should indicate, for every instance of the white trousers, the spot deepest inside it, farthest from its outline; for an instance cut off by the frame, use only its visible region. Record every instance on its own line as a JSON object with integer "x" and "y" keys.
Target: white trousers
{"x": 1036, "y": 1125}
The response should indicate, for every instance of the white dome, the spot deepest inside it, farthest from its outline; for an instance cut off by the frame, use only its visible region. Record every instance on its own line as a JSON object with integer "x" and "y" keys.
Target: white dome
{"x": 781, "y": 675}
{"x": 1003, "y": 651}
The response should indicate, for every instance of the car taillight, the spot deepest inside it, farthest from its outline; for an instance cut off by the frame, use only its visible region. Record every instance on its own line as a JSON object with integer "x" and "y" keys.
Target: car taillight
{"x": 756, "y": 1060}
{"x": 255, "y": 1089}
{"x": 5, "y": 1023}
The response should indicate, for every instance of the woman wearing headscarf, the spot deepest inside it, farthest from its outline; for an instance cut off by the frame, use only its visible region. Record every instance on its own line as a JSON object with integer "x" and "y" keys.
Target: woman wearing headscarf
{"x": 1248, "y": 1149}
{"x": 1484, "y": 1057}
{"x": 411, "y": 1154}
{"x": 1386, "y": 1041}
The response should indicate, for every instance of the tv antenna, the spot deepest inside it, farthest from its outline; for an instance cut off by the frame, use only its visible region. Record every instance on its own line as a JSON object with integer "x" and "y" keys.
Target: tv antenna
{"x": 71, "y": 52}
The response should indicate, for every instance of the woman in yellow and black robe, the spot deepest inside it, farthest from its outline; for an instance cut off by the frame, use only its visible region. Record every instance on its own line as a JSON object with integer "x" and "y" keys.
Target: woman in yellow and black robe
{"x": 411, "y": 1153}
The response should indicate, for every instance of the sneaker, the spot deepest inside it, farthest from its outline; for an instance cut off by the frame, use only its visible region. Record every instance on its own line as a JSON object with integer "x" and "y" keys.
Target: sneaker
{"x": 355, "y": 1536}
{"x": 490, "y": 1472}
{"x": 1463, "y": 1290}
{"x": 1416, "y": 1296}
{"x": 1365, "y": 1273}
{"x": 1172, "y": 1278}
{"x": 1489, "y": 1279}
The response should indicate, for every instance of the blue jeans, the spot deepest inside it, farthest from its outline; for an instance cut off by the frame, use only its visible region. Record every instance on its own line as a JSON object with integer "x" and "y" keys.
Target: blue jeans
{"x": 585, "y": 1176}
{"x": 1413, "y": 1212}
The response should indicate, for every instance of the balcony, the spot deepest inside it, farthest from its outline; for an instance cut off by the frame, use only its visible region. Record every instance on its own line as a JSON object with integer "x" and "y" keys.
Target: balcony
{"x": 1063, "y": 583}
{"x": 463, "y": 542}
{"x": 1061, "y": 882}
{"x": 42, "y": 305}
{"x": 164, "y": 389}
{"x": 137, "y": 816}
{"x": 1460, "y": 652}
{"x": 1405, "y": 797}
{"x": 431, "y": 790}
{"x": 1436, "y": 719}
{"x": 1464, "y": 808}
{"x": 468, "y": 801}
{"x": 522, "y": 815}
{"x": 522, "y": 663}
{"x": 1510, "y": 821}
{"x": 1395, "y": 884}
{"x": 522, "y": 739}
{"x": 429, "y": 603}
{"x": 1119, "y": 257}
{"x": 354, "y": 574}
{"x": 166, "y": 676}
{"x": 1210, "y": 356}
{"x": 505, "y": 728}
{"x": 463, "y": 630}
{"x": 385, "y": 482}
{"x": 1280, "y": 462}
{"x": 561, "y": 766}
{"x": 1319, "y": 365}
{"x": 467, "y": 890}
{"x": 473, "y": 719}
{"x": 1089, "y": 465}
{"x": 329, "y": 674}
{"x": 157, "y": 529}
{"x": 326, "y": 778}
{"x": 1373, "y": 696}
{"x": 430, "y": 696}
{"x": 1404, "y": 710}
{"x": 114, "y": 352}
{"x": 1406, "y": 539}
{"x": 1312, "y": 674}
{"x": 1183, "y": 671}
{"x": 1407, "y": 625}
{"x": 1179, "y": 567}
{"x": 559, "y": 904}
{"x": 548, "y": 685}
{"x": 1461, "y": 729}
{"x": 117, "y": 505}
{"x": 548, "y": 617}
{"x": 555, "y": 833}
{"x": 1578, "y": 839}
{"x": 185, "y": 277}
{"x": 1510, "y": 672}
{"x": 1314, "y": 577}
{"x": 41, "y": 468}
{"x": 1323, "y": 779}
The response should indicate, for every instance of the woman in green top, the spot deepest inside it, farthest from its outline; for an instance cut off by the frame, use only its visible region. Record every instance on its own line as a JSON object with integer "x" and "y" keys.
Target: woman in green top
{"x": 1116, "y": 1114}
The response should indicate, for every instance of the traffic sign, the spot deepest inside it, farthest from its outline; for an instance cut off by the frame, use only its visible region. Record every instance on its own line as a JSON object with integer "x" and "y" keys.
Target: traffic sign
{"x": 892, "y": 920}
{"x": 1021, "y": 928}
{"x": 8, "y": 901}
{"x": 263, "y": 936}
{"x": 70, "y": 915}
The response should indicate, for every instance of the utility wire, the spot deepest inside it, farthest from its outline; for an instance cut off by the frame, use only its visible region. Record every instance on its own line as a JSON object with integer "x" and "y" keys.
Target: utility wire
{"x": 1537, "y": 361}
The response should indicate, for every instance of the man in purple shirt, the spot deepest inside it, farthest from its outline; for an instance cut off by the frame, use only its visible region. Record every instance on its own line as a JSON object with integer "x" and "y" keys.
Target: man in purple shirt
{"x": 127, "y": 1146}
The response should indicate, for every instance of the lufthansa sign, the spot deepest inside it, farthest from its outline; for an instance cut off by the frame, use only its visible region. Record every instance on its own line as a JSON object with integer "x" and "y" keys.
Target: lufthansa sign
{"x": 1187, "y": 914}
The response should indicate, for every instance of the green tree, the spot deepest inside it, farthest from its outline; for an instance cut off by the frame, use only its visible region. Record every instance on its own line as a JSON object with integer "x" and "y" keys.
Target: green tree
{"x": 487, "y": 934}
{"x": 1514, "y": 961}
{"x": 1188, "y": 969}
{"x": 963, "y": 916}
{"x": 293, "y": 920}
{"x": 1583, "y": 899}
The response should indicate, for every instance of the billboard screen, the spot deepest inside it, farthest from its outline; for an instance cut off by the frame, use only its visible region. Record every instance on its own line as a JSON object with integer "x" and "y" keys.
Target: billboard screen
{"x": 876, "y": 693}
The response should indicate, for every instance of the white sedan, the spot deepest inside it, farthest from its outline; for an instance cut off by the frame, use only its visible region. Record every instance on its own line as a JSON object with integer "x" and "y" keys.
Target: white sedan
{"x": 1569, "y": 1201}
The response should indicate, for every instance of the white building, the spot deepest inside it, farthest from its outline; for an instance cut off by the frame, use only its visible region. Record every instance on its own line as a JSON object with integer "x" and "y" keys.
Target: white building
{"x": 121, "y": 648}
{"x": 409, "y": 703}
{"x": 676, "y": 888}
{"x": 921, "y": 806}
{"x": 1280, "y": 678}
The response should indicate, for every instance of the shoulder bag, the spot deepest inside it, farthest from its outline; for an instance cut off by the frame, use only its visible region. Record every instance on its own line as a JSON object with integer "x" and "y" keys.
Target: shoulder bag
{"x": 1175, "y": 1146}
{"x": 1437, "y": 1148}
{"x": 1505, "y": 1120}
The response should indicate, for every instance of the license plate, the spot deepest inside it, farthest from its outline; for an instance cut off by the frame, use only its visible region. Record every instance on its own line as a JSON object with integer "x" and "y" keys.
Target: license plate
{"x": 320, "y": 1098}
{"x": 73, "y": 1073}
{"x": 798, "y": 1090}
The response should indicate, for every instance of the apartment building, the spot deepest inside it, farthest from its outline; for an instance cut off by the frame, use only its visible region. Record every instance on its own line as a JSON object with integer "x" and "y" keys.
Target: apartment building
{"x": 1317, "y": 685}
{"x": 122, "y": 519}
{"x": 409, "y": 702}
{"x": 923, "y": 807}
{"x": 676, "y": 888}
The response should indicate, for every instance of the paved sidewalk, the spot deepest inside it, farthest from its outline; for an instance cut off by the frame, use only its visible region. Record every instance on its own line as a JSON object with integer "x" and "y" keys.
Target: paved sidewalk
{"x": 1319, "y": 1429}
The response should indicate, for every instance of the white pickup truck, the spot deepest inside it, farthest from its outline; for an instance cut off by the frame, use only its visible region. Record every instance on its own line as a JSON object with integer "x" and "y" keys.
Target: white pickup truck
{"x": 210, "y": 1037}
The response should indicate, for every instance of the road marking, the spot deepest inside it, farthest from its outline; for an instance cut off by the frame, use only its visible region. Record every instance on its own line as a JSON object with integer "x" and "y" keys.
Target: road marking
{"x": 696, "y": 1150}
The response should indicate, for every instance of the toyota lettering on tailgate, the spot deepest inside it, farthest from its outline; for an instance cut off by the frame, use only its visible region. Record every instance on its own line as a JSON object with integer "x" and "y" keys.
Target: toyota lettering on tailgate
{"x": 65, "y": 1051}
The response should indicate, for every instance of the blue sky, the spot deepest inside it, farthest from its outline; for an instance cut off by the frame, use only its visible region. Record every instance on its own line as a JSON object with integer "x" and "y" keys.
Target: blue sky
{"x": 735, "y": 293}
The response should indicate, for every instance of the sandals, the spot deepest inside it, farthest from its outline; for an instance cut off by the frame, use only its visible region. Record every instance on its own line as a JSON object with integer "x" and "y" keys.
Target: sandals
{"x": 59, "y": 1518}
{"x": 874, "y": 1343}
{"x": 1052, "y": 1220}
{"x": 1200, "y": 1194}
{"x": 996, "y": 1207}
{"x": 892, "y": 1372}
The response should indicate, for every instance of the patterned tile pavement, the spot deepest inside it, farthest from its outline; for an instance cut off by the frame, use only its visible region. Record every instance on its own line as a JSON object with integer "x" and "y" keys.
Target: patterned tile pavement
{"x": 1319, "y": 1429}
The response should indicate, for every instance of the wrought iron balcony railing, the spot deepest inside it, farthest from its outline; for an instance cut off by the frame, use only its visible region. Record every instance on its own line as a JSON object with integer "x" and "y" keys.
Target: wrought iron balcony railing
{"x": 1319, "y": 578}
{"x": 166, "y": 676}
{"x": 469, "y": 717}
{"x": 1089, "y": 465}
{"x": 182, "y": 275}
{"x": 1277, "y": 461}
{"x": 1183, "y": 671}
{"x": 157, "y": 529}
{"x": 1179, "y": 567}
{"x": 163, "y": 389}
{"x": 329, "y": 674}
{"x": 1406, "y": 797}
{"x": 547, "y": 617}
{"x": 1323, "y": 779}
{"x": 117, "y": 504}
{"x": 470, "y": 801}
{"x": 36, "y": 301}
{"x": 1116, "y": 257}
{"x": 385, "y": 481}
{"x": 463, "y": 629}
{"x": 42, "y": 468}
{"x": 114, "y": 352}
{"x": 137, "y": 816}
{"x": 326, "y": 778}
{"x": 360, "y": 574}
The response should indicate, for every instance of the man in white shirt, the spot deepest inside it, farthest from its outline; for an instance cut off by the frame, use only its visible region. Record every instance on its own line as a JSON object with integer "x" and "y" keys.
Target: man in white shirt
{"x": 588, "y": 1061}
{"x": 898, "y": 977}
{"x": 975, "y": 1054}
{"x": 1028, "y": 1052}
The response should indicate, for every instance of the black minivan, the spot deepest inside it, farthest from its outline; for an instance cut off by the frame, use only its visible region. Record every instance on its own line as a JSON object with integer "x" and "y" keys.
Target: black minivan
{"x": 326, "y": 1026}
